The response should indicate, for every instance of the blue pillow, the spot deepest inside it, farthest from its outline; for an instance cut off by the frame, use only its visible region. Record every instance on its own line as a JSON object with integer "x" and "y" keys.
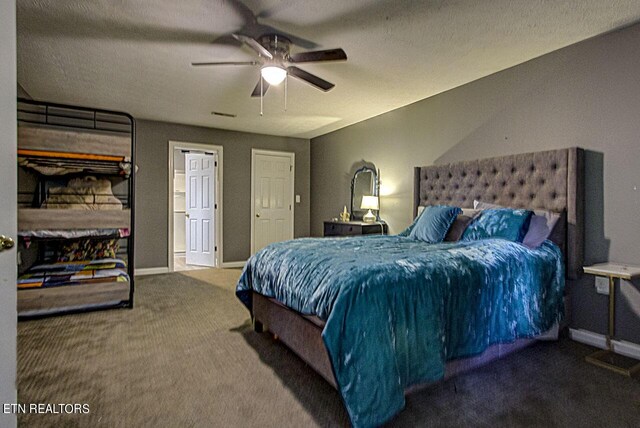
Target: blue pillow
{"x": 434, "y": 223}
{"x": 504, "y": 223}
{"x": 408, "y": 230}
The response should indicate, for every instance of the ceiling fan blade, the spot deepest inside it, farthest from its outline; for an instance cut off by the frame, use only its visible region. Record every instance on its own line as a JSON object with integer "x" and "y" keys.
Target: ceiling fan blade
{"x": 242, "y": 10}
{"x": 253, "y": 44}
{"x": 313, "y": 56}
{"x": 227, "y": 40}
{"x": 199, "y": 64}
{"x": 256, "y": 90}
{"x": 310, "y": 78}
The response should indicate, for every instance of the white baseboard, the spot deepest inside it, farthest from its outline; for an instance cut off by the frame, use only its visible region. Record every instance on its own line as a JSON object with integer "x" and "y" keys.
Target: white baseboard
{"x": 621, "y": 347}
{"x": 151, "y": 271}
{"x": 628, "y": 349}
{"x": 588, "y": 337}
{"x": 165, "y": 269}
{"x": 231, "y": 265}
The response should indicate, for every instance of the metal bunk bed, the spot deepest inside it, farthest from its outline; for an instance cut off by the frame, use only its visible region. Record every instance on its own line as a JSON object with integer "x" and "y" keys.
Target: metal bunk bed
{"x": 59, "y": 145}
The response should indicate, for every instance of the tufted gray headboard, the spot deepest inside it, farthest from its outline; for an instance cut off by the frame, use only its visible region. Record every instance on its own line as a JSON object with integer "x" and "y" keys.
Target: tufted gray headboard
{"x": 550, "y": 180}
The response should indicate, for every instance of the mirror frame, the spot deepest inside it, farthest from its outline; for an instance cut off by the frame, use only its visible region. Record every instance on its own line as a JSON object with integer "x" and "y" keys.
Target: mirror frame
{"x": 376, "y": 191}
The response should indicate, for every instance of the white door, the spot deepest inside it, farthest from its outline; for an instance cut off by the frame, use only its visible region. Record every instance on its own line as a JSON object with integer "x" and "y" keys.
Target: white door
{"x": 200, "y": 180}
{"x": 8, "y": 211}
{"x": 272, "y": 181}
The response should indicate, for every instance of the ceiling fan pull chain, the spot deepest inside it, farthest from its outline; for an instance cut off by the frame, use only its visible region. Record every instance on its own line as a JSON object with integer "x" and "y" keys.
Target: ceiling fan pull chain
{"x": 286, "y": 81}
{"x": 261, "y": 95}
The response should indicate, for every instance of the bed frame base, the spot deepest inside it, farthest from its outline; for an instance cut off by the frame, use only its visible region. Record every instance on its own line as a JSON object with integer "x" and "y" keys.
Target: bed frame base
{"x": 300, "y": 335}
{"x": 304, "y": 337}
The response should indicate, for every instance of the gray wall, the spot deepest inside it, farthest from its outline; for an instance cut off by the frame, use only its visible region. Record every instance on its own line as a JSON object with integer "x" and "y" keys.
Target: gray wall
{"x": 8, "y": 221}
{"x": 22, "y": 93}
{"x": 585, "y": 95}
{"x": 152, "y": 186}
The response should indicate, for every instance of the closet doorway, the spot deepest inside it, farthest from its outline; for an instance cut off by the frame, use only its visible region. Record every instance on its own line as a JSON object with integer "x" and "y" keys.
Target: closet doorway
{"x": 195, "y": 206}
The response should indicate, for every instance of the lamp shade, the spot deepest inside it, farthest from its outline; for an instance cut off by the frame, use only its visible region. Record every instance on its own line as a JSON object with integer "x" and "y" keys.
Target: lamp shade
{"x": 273, "y": 74}
{"x": 369, "y": 203}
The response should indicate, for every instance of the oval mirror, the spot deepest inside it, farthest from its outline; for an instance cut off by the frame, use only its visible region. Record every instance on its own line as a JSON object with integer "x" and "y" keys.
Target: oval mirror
{"x": 364, "y": 183}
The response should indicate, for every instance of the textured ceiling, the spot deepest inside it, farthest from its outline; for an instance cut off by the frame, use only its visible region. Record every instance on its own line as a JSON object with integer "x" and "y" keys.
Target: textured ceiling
{"x": 135, "y": 55}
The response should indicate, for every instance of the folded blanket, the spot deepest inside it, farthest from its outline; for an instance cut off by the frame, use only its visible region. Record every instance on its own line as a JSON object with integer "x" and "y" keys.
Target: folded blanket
{"x": 74, "y": 273}
{"x": 76, "y": 266}
{"x": 86, "y": 193}
{"x": 74, "y": 234}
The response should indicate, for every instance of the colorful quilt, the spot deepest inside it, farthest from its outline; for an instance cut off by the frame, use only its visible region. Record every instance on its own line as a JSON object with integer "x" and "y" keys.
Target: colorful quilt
{"x": 74, "y": 273}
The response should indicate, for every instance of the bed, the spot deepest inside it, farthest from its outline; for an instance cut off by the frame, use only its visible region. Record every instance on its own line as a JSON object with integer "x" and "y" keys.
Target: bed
{"x": 415, "y": 313}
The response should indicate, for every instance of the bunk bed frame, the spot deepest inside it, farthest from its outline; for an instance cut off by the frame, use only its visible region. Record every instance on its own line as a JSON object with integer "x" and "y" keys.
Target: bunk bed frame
{"x": 100, "y": 143}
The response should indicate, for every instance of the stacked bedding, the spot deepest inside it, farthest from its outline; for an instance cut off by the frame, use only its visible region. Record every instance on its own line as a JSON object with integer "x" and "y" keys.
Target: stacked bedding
{"x": 74, "y": 233}
{"x": 74, "y": 273}
{"x": 83, "y": 193}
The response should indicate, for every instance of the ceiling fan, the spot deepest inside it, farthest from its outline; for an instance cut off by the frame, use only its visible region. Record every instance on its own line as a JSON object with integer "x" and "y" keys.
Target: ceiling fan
{"x": 274, "y": 58}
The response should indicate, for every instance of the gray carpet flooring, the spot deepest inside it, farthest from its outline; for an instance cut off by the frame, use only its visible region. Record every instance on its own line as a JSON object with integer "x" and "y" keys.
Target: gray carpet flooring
{"x": 186, "y": 356}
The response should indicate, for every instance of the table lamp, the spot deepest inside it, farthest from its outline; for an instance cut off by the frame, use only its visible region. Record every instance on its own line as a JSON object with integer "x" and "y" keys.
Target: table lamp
{"x": 369, "y": 203}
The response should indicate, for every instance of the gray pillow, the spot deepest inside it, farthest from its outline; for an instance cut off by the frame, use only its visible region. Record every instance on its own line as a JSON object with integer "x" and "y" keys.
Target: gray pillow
{"x": 471, "y": 212}
{"x": 541, "y": 227}
{"x": 478, "y": 205}
{"x": 458, "y": 227}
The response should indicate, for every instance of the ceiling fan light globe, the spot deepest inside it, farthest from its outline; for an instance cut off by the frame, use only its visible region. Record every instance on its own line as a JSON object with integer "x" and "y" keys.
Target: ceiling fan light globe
{"x": 274, "y": 75}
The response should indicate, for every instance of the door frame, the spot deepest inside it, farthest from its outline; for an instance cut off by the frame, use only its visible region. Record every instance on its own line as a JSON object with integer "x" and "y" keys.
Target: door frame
{"x": 8, "y": 222}
{"x": 182, "y": 145}
{"x": 292, "y": 157}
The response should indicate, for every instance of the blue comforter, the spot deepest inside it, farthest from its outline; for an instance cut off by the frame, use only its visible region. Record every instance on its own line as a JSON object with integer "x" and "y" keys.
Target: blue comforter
{"x": 397, "y": 309}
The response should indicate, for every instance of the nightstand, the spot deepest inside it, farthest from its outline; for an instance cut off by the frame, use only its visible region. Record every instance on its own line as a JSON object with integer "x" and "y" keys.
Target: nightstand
{"x": 354, "y": 228}
{"x": 607, "y": 358}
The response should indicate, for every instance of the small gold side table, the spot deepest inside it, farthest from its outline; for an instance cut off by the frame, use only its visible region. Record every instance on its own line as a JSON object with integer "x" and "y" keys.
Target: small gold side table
{"x": 607, "y": 358}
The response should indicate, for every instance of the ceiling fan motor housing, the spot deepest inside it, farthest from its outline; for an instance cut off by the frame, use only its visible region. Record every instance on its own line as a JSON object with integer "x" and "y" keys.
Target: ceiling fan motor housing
{"x": 279, "y": 46}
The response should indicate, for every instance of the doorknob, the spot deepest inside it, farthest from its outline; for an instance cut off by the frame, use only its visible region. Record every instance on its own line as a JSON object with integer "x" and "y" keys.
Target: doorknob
{"x": 257, "y": 215}
{"x": 187, "y": 214}
{"x": 6, "y": 243}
